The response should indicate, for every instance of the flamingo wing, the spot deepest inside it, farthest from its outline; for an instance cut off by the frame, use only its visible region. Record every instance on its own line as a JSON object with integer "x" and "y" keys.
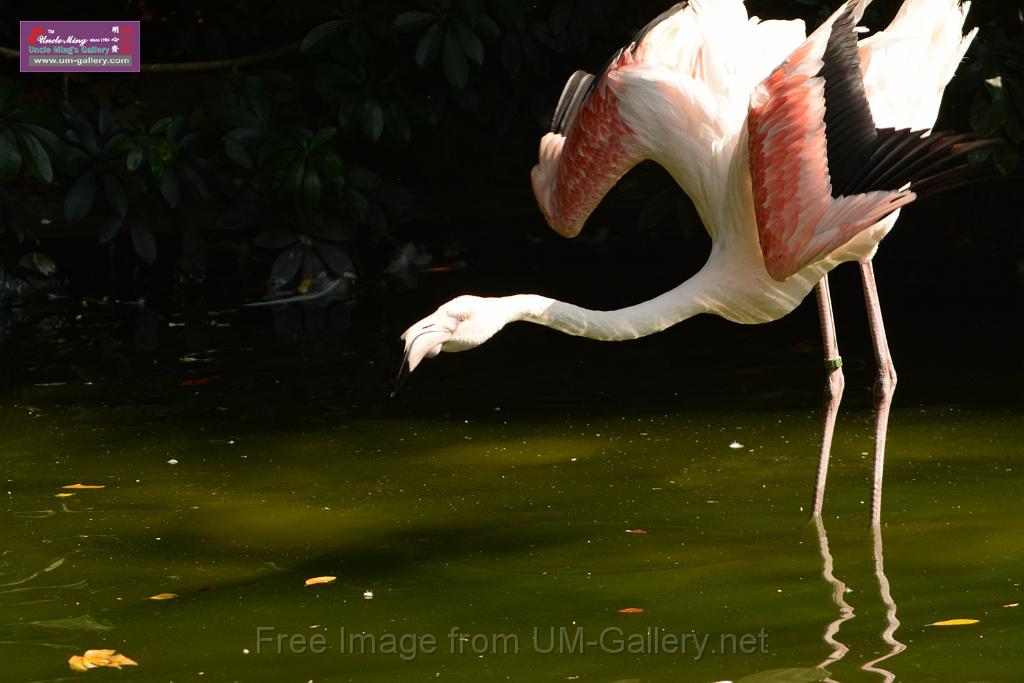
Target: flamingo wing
{"x": 589, "y": 147}
{"x": 821, "y": 171}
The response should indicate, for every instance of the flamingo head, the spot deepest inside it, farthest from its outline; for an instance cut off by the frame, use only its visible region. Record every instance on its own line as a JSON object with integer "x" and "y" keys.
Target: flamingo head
{"x": 463, "y": 323}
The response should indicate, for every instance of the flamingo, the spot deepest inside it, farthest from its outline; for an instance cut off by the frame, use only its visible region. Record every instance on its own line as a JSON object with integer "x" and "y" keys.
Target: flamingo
{"x": 797, "y": 150}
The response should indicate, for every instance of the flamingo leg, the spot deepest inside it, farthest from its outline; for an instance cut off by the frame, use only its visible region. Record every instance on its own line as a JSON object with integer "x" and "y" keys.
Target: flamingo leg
{"x": 885, "y": 384}
{"x": 834, "y": 384}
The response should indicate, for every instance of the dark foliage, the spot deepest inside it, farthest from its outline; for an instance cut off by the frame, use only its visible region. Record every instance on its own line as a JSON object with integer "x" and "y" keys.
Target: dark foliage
{"x": 309, "y": 164}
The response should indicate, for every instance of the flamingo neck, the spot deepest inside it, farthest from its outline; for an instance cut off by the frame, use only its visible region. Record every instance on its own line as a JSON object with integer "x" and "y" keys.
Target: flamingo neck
{"x": 655, "y": 315}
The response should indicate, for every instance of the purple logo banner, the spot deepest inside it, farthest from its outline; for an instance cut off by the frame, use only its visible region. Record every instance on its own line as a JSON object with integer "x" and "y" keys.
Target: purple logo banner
{"x": 78, "y": 46}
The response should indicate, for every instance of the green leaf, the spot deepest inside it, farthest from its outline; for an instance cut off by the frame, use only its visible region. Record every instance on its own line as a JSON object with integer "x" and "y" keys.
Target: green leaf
{"x": 178, "y": 130}
{"x": 113, "y": 190}
{"x": 245, "y": 136}
{"x": 363, "y": 179}
{"x": 320, "y": 34}
{"x": 193, "y": 181}
{"x": 80, "y": 197}
{"x": 487, "y": 27}
{"x": 38, "y": 263}
{"x": 397, "y": 122}
{"x": 311, "y": 188}
{"x": 134, "y": 159}
{"x": 286, "y": 266}
{"x": 1014, "y": 124}
{"x": 359, "y": 205}
{"x": 456, "y": 67}
{"x": 145, "y": 244}
{"x": 470, "y": 43}
{"x": 323, "y": 136}
{"x": 237, "y": 153}
{"x": 333, "y": 167}
{"x": 294, "y": 177}
{"x": 104, "y": 116}
{"x": 311, "y": 263}
{"x": 429, "y": 47}
{"x": 372, "y": 119}
{"x": 987, "y": 112}
{"x": 336, "y": 259}
{"x": 109, "y": 228}
{"x": 81, "y": 128}
{"x": 51, "y": 141}
{"x": 36, "y": 158}
{"x": 511, "y": 12}
{"x": 10, "y": 157}
{"x": 157, "y": 165}
{"x": 170, "y": 188}
{"x": 334, "y": 230}
{"x": 275, "y": 238}
{"x": 413, "y": 20}
{"x": 258, "y": 97}
{"x": 161, "y": 126}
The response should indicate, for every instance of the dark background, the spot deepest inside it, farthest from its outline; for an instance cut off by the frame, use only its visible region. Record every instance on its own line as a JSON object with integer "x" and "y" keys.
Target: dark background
{"x": 386, "y": 146}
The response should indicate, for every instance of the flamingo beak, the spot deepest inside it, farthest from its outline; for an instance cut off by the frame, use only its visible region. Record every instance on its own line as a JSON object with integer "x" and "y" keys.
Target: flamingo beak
{"x": 423, "y": 341}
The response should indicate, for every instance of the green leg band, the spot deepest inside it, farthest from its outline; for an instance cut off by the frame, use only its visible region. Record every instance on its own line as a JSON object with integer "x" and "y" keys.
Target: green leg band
{"x": 833, "y": 364}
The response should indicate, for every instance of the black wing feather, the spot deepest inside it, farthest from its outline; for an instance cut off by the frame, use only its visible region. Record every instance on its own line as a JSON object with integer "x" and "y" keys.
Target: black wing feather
{"x": 863, "y": 158}
{"x": 581, "y": 84}
{"x": 575, "y": 93}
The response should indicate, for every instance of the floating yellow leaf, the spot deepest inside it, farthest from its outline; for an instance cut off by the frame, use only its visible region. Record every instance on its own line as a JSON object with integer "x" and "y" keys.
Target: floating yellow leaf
{"x": 62, "y": 495}
{"x": 304, "y": 285}
{"x": 955, "y": 622}
{"x": 1013, "y": 604}
{"x": 320, "y": 579}
{"x": 163, "y": 596}
{"x": 84, "y": 486}
{"x": 94, "y": 659}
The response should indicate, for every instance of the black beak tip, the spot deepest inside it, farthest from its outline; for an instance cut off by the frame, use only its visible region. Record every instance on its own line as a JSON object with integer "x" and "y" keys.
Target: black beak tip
{"x": 403, "y": 372}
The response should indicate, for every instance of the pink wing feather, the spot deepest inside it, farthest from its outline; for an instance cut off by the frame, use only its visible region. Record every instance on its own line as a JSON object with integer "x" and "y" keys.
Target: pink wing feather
{"x": 589, "y": 147}
{"x": 798, "y": 219}
{"x": 821, "y": 171}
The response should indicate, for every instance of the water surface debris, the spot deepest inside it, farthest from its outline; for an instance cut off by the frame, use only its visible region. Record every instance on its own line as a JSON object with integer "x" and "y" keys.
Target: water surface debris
{"x": 954, "y": 622}
{"x": 320, "y": 579}
{"x": 95, "y": 659}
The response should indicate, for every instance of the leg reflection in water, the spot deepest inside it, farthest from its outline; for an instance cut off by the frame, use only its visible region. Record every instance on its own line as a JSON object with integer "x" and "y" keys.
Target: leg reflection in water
{"x": 839, "y": 649}
{"x": 839, "y": 590}
{"x": 892, "y": 623}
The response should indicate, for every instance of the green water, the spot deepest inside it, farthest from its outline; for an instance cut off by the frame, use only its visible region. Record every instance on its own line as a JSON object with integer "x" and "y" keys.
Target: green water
{"x": 487, "y": 508}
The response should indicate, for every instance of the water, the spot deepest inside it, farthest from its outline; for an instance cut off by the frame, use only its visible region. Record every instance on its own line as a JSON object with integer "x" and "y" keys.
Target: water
{"x": 497, "y": 503}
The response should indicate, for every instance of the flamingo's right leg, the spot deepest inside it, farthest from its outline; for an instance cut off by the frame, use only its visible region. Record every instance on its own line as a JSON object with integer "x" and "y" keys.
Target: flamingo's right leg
{"x": 834, "y": 384}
